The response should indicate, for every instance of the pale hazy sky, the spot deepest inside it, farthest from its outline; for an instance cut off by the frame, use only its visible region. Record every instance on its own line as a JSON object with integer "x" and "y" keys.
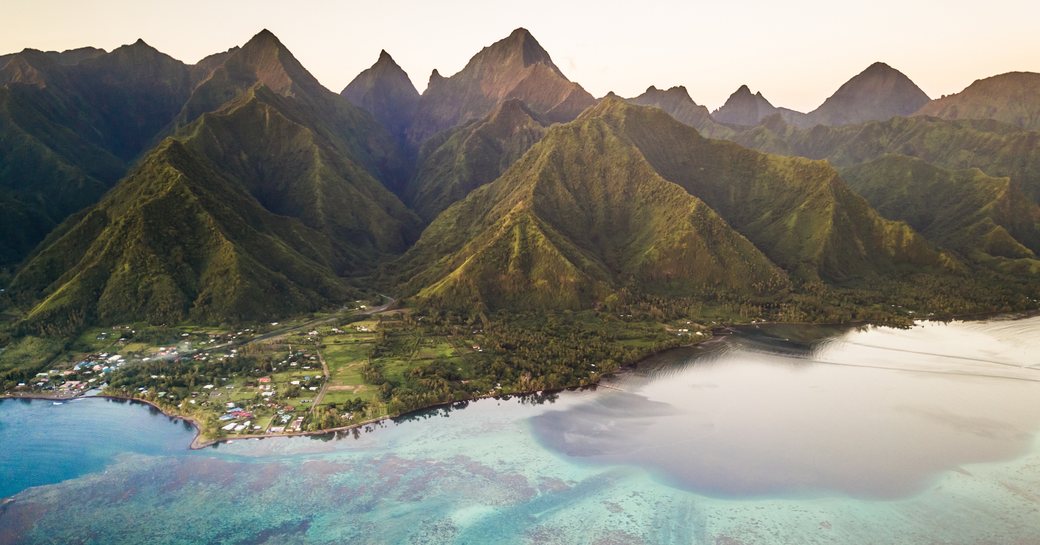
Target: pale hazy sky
{"x": 796, "y": 53}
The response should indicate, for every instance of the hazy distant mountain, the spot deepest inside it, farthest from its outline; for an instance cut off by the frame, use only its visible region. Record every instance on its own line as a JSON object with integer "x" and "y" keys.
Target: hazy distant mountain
{"x": 514, "y": 67}
{"x": 385, "y": 91}
{"x": 1013, "y": 98}
{"x": 677, "y": 103}
{"x": 878, "y": 93}
{"x": 453, "y": 163}
{"x": 744, "y": 108}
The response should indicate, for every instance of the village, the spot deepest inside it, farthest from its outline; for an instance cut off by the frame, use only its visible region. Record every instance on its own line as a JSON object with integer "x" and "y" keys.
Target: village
{"x": 329, "y": 371}
{"x": 270, "y": 379}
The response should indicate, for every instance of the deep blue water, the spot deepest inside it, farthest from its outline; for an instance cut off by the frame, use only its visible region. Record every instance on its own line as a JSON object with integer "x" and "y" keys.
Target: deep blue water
{"x": 44, "y": 443}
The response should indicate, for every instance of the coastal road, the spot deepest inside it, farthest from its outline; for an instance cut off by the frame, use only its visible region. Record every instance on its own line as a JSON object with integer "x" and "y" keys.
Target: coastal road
{"x": 324, "y": 385}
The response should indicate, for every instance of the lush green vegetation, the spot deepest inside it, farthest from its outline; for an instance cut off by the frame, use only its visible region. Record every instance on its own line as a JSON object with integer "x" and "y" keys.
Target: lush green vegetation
{"x": 978, "y": 215}
{"x": 434, "y": 356}
{"x": 455, "y": 162}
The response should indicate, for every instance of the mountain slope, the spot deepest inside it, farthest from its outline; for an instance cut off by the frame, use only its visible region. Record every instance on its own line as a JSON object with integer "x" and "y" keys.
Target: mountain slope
{"x": 798, "y": 212}
{"x": 385, "y": 91}
{"x": 965, "y": 210}
{"x": 250, "y": 212}
{"x": 69, "y": 125}
{"x": 1012, "y": 98}
{"x": 457, "y": 161}
{"x": 581, "y": 214}
{"x": 265, "y": 61}
{"x": 514, "y": 67}
{"x": 878, "y": 93}
{"x": 993, "y": 147}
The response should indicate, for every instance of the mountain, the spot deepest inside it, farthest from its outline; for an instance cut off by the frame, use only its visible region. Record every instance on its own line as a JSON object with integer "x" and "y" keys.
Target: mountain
{"x": 134, "y": 92}
{"x": 455, "y": 162}
{"x": 1012, "y": 98}
{"x": 978, "y": 215}
{"x": 580, "y": 215}
{"x": 265, "y": 61}
{"x": 255, "y": 211}
{"x": 995, "y": 148}
{"x": 878, "y": 93}
{"x": 677, "y": 103}
{"x": 67, "y": 57}
{"x": 262, "y": 60}
{"x": 743, "y": 108}
{"x": 69, "y": 125}
{"x": 626, "y": 196}
{"x": 385, "y": 91}
{"x": 514, "y": 67}
{"x": 800, "y": 213}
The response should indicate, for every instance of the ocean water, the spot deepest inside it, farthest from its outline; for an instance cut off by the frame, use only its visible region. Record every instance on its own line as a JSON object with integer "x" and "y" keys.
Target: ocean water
{"x": 776, "y": 435}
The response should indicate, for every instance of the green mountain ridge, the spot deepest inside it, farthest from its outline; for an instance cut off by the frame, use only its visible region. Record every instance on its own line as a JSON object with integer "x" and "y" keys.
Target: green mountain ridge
{"x": 964, "y": 210}
{"x": 71, "y": 124}
{"x": 136, "y": 187}
{"x": 798, "y": 212}
{"x": 995, "y": 148}
{"x": 625, "y": 197}
{"x": 580, "y": 215}
{"x": 455, "y": 162}
{"x": 217, "y": 224}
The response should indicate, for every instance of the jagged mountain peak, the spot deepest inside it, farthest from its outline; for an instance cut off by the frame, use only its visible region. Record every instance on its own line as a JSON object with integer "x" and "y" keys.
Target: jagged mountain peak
{"x": 676, "y": 102}
{"x": 744, "y": 108}
{"x": 386, "y": 92}
{"x": 514, "y": 67}
{"x": 435, "y": 78}
{"x": 518, "y": 50}
{"x": 263, "y": 60}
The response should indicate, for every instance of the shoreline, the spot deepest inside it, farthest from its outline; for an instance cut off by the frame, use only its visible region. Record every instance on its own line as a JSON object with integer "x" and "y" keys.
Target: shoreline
{"x": 198, "y": 443}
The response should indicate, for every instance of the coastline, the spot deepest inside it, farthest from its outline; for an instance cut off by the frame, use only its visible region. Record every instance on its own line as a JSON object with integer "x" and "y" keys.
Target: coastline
{"x": 719, "y": 333}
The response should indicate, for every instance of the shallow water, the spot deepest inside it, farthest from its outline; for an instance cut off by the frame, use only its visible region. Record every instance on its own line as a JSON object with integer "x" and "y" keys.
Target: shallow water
{"x": 780, "y": 435}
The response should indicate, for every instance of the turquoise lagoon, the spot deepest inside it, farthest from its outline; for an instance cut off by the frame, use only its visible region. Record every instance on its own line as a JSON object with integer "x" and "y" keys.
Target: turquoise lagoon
{"x": 778, "y": 435}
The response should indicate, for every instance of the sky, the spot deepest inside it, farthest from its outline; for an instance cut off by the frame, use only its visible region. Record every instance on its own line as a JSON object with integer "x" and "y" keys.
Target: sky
{"x": 797, "y": 53}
